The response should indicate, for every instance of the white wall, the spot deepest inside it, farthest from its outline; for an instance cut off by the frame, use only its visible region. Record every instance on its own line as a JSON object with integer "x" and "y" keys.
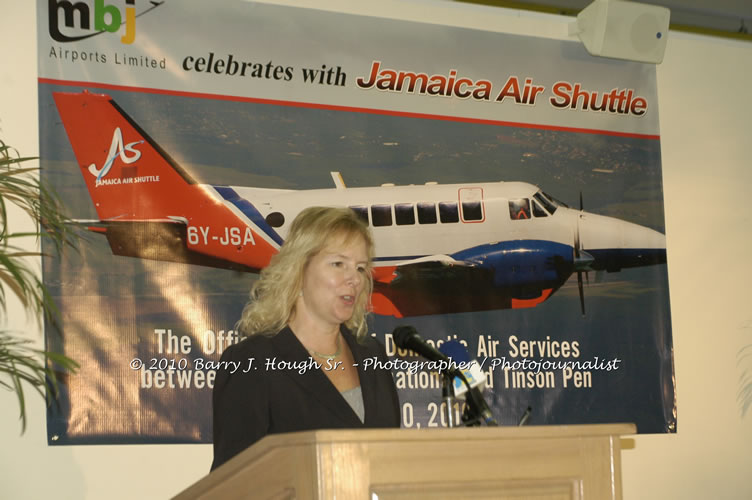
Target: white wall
{"x": 705, "y": 139}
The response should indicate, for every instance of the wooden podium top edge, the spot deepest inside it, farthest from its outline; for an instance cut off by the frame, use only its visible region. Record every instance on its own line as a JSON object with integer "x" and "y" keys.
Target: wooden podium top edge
{"x": 445, "y": 434}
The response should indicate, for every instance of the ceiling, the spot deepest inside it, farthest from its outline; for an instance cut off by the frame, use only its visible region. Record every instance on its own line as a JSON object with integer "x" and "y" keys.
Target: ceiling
{"x": 726, "y": 18}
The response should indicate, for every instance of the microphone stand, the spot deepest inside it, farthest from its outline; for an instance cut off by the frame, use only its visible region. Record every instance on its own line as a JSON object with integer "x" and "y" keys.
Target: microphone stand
{"x": 474, "y": 414}
{"x": 447, "y": 396}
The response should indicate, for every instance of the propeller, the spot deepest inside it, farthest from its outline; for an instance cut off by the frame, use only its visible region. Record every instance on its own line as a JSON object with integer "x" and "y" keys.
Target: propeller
{"x": 582, "y": 260}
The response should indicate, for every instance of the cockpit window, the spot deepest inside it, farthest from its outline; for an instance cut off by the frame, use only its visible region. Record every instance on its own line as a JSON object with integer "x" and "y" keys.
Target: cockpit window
{"x": 555, "y": 201}
{"x": 545, "y": 200}
{"x": 538, "y": 211}
{"x": 519, "y": 209}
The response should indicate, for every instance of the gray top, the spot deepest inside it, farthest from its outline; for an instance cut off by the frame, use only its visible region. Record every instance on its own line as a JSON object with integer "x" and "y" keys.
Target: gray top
{"x": 354, "y": 398}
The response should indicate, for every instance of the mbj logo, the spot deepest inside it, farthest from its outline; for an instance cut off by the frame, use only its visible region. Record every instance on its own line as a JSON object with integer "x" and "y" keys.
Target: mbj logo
{"x": 116, "y": 149}
{"x": 106, "y": 17}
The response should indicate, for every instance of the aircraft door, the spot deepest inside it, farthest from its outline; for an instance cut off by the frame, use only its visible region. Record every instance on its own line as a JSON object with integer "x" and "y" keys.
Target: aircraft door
{"x": 471, "y": 205}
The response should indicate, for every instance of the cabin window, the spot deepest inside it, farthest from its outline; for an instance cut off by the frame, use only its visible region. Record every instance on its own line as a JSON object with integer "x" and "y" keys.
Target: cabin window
{"x": 275, "y": 219}
{"x": 404, "y": 214}
{"x": 548, "y": 204}
{"x": 538, "y": 211}
{"x": 471, "y": 210}
{"x": 448, "y": 212}
{"x": 361, "y": 212}
{"x": 381, "y": 215}
{"x": 471, "y": 203}
{"x": 519, "y": 209}
{"x": 427, "y": 213}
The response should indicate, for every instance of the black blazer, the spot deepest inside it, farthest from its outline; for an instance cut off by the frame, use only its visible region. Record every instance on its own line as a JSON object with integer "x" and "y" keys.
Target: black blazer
{"x": 248, "y": 406}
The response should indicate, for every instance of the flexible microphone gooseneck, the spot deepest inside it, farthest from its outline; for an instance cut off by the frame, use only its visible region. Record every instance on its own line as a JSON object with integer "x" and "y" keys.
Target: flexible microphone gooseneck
{"x": 407, "y": 337}
{"x": 458, "y": 353}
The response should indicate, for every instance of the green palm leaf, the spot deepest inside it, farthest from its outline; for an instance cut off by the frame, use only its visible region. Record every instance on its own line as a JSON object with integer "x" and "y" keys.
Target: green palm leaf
{"x": 21, "y": 364}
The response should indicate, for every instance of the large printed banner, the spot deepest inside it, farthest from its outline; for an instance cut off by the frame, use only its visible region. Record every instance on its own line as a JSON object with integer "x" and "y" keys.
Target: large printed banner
{"x": 512, "y": 184}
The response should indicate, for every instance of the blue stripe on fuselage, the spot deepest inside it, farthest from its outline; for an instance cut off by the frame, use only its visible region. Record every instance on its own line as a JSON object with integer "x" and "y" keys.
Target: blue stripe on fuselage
{"x": 249, "y": 211}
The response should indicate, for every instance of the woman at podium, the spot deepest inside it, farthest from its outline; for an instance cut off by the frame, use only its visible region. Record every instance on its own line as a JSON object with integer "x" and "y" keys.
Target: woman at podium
{"x": 301, "y": 365}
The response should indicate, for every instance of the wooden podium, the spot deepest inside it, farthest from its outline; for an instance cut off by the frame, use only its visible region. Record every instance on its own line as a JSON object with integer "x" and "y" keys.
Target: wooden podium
{"x": 536, "y": 462}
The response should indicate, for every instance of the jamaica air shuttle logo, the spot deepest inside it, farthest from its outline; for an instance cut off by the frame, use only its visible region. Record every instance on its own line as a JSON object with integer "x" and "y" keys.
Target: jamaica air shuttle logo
{"x": 101, "y": 18}
{"x": 127, "y": 152}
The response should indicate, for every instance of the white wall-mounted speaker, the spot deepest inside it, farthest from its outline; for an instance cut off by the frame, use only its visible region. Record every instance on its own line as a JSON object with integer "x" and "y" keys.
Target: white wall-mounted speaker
{"x": 623, "y": 30}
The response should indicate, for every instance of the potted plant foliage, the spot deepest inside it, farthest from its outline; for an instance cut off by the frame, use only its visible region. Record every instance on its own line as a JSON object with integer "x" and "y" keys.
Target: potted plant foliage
{"x": 21, "y": 365}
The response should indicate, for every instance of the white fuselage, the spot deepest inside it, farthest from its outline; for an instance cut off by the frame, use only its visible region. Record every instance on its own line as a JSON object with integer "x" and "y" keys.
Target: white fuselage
{"x": 490, "y": 222}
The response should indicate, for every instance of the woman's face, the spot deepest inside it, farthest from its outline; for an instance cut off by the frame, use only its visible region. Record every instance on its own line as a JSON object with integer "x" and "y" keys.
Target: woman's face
{"x": 333, "y": 281}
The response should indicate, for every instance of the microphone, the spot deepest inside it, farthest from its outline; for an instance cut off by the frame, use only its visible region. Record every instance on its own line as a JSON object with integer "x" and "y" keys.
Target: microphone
{"x": 407, "y": 337}
{"x": 474, "y": 374}
{"x": 476, "y": 381}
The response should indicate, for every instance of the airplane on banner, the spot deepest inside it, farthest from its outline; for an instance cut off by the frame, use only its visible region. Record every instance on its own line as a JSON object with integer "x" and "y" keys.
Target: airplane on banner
{"x": 439, "y": 248}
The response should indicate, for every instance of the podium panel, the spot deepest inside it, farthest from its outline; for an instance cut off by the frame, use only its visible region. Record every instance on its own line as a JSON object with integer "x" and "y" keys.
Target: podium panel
{"x": 536, "y": 462}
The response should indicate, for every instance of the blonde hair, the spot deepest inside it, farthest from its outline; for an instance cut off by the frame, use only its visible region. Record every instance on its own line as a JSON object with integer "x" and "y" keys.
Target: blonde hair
{"x": 274, "y": 294}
